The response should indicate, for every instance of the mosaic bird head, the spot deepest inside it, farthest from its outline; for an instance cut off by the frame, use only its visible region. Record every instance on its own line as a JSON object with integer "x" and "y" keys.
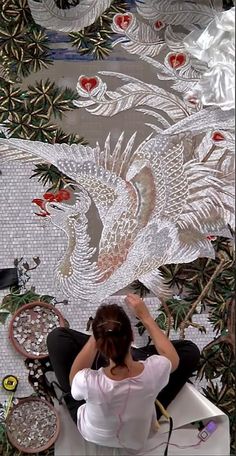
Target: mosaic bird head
{"x": 60, "y": 205}
{"x": 51, "y": 202}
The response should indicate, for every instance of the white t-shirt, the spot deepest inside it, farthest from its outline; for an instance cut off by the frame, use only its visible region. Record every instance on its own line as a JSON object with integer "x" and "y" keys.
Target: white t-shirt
{"x": 120, "y": 413}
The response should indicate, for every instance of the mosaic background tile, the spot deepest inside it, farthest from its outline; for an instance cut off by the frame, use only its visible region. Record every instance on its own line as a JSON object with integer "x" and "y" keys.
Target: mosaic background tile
{"x": 61, "y": 59}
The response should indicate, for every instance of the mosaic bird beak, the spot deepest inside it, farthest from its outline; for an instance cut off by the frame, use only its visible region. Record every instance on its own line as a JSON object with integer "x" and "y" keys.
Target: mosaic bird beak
{"x": 42, "y": 206}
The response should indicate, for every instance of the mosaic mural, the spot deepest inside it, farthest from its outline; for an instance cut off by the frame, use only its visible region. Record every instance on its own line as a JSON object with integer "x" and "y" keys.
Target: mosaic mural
{"x": 134, "y": 167}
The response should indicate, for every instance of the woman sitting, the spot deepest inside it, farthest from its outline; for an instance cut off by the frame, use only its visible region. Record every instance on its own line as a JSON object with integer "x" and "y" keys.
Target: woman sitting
{"x": 110, "y": 387}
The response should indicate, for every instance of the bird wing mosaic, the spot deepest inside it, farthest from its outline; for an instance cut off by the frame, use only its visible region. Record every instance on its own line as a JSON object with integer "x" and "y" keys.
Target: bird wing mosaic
{"x": 67, "y": 15}
{"x": 156, "y": 203}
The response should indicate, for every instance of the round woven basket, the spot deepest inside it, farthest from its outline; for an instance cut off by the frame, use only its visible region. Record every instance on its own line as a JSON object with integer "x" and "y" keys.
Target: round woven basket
{"x": 31, "y": 306}
{"x": 13, "y": 440}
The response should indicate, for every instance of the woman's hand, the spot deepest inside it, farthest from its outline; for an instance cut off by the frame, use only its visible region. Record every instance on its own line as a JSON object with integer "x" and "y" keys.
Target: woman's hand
{"x": 163, "y": 346}
{"x": 137, "y": 305}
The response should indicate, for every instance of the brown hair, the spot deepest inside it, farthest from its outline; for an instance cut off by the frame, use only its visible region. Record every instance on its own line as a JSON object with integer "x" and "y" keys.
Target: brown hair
{"x": 113, "y": 333}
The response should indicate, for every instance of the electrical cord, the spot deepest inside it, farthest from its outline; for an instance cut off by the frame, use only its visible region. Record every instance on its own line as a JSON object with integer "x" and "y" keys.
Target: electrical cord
{"x": 164, "y": 412}
{"x": 182, "y": 447}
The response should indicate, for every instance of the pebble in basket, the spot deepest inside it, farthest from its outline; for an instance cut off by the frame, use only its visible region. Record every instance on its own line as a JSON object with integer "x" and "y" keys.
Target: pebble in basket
{"x": 30, "y": 326}
{"x": 32, "y": 425}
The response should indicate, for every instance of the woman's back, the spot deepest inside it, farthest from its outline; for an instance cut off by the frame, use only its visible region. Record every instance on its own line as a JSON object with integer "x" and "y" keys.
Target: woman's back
{"x": 136, "y": 369}
{"x": 120, "y": 413}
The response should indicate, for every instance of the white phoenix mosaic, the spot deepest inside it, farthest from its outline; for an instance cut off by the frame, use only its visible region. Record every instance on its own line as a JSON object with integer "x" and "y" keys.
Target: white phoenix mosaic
{"x": 158, "y": 203}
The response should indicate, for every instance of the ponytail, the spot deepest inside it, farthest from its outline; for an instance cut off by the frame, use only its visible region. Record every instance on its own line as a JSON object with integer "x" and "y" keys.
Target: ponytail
{"x": 113, "y": 333}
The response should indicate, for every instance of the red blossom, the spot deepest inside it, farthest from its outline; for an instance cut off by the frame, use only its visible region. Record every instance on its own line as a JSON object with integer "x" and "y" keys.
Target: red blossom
{"x": 123, "y": 20}
{"x": 49, "y": 196}
{"x": 88, "y": 83}
{"x": 62, "y": 195}
{"x": 159, "y": 25}
{"x": 176, "y": 60}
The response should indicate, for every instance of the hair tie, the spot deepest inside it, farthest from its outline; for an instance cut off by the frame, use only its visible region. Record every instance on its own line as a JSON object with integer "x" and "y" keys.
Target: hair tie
{"x": 109, "y": 321}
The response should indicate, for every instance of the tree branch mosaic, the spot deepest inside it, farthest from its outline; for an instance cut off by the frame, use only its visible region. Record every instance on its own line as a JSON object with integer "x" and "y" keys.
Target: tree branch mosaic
{"x": 24, "y": 49}
{"x": 206, "y": 285}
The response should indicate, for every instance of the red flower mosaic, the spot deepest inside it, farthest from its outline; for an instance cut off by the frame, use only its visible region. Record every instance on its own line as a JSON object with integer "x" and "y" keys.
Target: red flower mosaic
{"x": 123, "y": 21}
{"x": 88, "y": 83}
{"x": 177, "y": 60}
{"x": 159, "y": 25}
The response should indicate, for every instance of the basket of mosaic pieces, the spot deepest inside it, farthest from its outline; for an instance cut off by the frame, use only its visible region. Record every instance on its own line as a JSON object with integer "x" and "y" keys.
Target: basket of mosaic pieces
{"x": 32, "y": 425}
{"x": 30, "y": 326}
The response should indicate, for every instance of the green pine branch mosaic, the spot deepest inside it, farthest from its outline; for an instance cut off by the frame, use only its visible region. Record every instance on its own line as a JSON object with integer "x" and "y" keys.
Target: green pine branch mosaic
{"x": 30, "y": 113}
{"x": 22, "y": 42}
{"x": 51, "y": 177}
{"x": 96, "y": 39}
{"x": 206, "y": 285}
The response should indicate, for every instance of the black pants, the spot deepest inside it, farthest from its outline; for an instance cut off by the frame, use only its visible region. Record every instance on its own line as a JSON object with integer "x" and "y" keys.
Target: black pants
{"x": 64, "y": 345}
